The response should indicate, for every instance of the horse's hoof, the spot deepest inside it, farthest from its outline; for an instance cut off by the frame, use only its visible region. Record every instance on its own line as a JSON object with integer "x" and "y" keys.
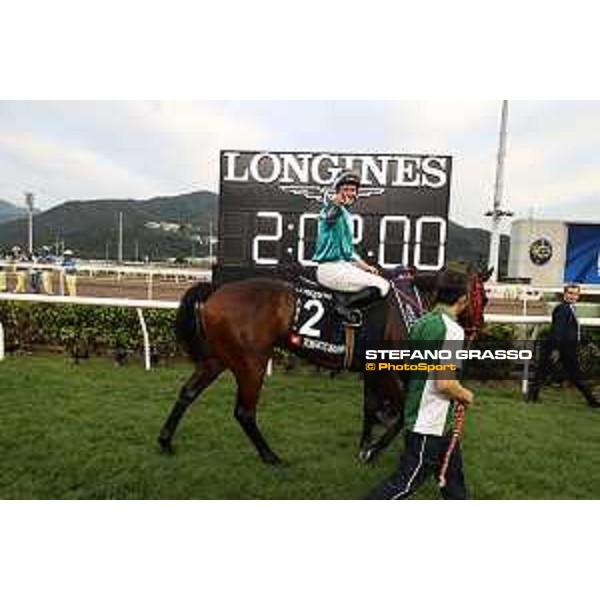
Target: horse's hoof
{"x": 165, "y": 446}
{"x": 367, "y": 455}
{"x": 272, "y": 460}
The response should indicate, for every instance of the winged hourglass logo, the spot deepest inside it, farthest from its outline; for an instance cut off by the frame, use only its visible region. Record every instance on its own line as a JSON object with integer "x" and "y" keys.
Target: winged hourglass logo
{"x": 317, "y": 193}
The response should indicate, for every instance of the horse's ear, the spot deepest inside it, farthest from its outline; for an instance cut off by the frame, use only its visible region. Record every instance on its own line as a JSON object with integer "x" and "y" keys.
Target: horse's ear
{"x": 486, "y": 275}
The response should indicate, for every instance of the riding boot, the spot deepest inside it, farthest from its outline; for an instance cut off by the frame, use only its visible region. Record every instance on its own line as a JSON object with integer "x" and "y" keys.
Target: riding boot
{"x": 350, "y": 307}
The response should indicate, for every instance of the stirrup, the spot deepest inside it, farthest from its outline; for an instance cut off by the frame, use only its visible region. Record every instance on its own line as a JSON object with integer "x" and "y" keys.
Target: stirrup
{"x": 351, "y": 317}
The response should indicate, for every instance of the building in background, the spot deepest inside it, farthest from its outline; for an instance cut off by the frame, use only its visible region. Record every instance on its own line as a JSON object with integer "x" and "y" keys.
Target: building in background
{"x": 551, "y": 253}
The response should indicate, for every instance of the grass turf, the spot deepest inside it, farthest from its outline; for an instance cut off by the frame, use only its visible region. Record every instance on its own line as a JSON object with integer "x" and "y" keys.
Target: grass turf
{"x": 89, "y": 431}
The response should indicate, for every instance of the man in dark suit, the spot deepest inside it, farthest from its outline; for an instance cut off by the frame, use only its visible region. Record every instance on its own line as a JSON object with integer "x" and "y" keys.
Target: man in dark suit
{"x": 564, "y": 338}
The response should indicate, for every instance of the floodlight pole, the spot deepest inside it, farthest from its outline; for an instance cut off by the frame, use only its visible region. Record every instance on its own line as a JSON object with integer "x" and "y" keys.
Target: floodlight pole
{"x": 120, "y": 253}
{"x": 497, "y": 213}
{"x": 29, "y": 201}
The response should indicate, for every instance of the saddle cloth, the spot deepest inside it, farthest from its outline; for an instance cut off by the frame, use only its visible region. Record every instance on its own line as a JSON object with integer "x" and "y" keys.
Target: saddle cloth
{"x": 318, "y": 332}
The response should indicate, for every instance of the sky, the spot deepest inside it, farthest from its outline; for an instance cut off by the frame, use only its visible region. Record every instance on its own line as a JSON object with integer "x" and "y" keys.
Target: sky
{"x": 63, "y": 150}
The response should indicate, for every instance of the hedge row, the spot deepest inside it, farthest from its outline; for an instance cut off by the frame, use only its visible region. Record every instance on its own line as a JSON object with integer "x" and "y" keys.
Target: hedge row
{"x": 103, "y": 329}
{"x": 85, "y": 329}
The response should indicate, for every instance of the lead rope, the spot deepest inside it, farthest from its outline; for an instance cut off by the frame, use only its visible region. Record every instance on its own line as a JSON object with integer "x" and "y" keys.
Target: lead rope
{"x": 460, "y": 411}
{"x": 457, "y": 432}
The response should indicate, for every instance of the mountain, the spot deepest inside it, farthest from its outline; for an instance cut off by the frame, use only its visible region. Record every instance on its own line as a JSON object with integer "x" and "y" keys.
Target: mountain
{"x": 9, "y": 212}
{"x": 472, "y": 245}
{"x": 91, "y": 228}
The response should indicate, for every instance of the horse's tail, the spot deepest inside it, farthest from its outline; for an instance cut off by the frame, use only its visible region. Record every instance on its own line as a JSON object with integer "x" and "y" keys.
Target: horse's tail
{"x": 188, "y": 324}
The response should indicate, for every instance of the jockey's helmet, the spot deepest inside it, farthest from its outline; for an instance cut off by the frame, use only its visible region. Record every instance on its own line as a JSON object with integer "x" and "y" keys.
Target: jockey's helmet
{"x": 346, "y": 178}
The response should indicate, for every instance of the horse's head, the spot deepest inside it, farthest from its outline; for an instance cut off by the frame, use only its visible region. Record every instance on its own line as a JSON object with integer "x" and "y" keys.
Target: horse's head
{"x": 472, "y": 318}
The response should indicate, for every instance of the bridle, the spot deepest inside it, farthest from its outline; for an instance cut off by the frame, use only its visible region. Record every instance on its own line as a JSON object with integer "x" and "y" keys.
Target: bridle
{"x": 476, "y": 297}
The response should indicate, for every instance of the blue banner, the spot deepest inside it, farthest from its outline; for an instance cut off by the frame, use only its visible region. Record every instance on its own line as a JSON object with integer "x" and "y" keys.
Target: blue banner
{"x": 583, "y": 254}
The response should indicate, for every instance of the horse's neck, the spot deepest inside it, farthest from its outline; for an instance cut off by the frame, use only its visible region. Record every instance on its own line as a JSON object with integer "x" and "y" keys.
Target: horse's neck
{"x": 426, "y": 282}
{"x": 427, "y": 299}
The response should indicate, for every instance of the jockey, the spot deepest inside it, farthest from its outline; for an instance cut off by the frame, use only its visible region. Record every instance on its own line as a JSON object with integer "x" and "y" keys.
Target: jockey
{"x": 340, "y": 267}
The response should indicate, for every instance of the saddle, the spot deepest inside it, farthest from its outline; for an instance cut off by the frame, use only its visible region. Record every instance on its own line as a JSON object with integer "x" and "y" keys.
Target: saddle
{"x": 348, "y": 305}
{"x": 335, "y": 328}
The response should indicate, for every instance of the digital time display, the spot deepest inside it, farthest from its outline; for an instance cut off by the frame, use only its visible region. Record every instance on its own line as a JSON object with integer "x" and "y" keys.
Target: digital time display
{"x": 270, "y": 203}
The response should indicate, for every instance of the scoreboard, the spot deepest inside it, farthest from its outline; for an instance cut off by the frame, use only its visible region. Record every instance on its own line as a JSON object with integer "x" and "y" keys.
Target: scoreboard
{"x": 270, "y": 202}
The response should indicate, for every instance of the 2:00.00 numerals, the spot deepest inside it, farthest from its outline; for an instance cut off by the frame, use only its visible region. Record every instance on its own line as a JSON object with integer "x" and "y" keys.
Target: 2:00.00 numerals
{"x": 420, "y": 224}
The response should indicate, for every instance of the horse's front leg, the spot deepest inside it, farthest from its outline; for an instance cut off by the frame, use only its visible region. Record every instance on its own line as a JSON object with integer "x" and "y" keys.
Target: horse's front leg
{"x": 369, "y": 453}
{"x": 376, "y": 391}
{"x": 369, "y": 416}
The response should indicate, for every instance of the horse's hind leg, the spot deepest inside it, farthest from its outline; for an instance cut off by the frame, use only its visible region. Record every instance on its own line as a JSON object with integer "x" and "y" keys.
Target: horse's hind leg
{"x": 205, "y": 374}
{"x": 369, "y": 421}
{"x": 250, "y": 380}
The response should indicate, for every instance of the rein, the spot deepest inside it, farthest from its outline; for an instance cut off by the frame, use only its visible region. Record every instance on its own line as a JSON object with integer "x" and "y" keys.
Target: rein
{"x": 458, "y": 428}
{"x": 402, "y": 295}
{"x": 404, "y": 301}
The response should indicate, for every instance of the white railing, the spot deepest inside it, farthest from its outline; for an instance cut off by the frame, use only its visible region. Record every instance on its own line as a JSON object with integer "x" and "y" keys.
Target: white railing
{"x": 148, "y": 274}
{"x": 84, "y": 267}
{"x": 497, "y": 290}
{"x": 516, "y": 291}
{"x": 535, "y": 320}
{"x": 89, "y": 301}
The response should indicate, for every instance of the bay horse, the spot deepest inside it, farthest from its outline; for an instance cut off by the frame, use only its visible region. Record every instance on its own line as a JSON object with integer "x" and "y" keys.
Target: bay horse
{"x": 238, "y": 326}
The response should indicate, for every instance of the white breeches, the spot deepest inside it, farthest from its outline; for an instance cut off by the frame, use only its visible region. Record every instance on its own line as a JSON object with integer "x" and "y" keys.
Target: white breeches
{"x": 345, "y": 277}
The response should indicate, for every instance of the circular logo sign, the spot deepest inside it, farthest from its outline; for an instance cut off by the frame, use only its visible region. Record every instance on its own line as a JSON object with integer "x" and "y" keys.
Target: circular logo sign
{"x": 540, "y": 251}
